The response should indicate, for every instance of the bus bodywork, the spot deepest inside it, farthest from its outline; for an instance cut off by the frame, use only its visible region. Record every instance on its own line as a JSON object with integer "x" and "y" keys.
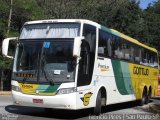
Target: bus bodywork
{"x": 107, "y": 70}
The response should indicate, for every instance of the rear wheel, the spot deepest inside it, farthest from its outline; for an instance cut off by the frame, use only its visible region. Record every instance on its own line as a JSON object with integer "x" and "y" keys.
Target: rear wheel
{"x": 147, "y": 99}
{"x": 97, "y": 109}
{"x": 144, "y": 99}
{"x": 149, "y": 95}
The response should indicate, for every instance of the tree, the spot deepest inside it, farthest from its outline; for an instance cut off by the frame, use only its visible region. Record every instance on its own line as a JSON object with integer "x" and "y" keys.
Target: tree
{"x": 24, "y": 10}
{"x": 21, "y": 11}
{"x": 152, "y": 21}
{"x": 96, "y": 10}
{"x": 3, "y": 17}
{"x": 9, "y": 18}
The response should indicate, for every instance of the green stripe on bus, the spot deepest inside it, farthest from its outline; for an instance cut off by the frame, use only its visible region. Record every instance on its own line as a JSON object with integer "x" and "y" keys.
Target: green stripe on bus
{"x": 48, "y": 88}
{"x": 122, "y": 77}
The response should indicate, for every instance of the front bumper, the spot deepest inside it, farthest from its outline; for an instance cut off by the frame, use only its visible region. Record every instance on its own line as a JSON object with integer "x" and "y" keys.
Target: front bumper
{"x": 64, "y": 101}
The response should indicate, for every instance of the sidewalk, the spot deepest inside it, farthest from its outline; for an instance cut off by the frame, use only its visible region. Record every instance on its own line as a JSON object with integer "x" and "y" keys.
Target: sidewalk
{"x": 5, "y": 92}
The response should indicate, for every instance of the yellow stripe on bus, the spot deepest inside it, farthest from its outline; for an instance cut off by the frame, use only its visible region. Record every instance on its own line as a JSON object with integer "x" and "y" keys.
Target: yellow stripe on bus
{"x": 134, "y": 41}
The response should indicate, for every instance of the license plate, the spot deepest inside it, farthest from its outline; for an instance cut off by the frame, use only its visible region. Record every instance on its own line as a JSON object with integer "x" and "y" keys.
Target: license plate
{"x": 38, "y": 101}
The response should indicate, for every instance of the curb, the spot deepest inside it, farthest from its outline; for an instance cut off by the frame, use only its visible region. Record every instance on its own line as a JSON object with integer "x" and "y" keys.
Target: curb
{"x": 154, "y": 108}
{"x": 5, "y": 92}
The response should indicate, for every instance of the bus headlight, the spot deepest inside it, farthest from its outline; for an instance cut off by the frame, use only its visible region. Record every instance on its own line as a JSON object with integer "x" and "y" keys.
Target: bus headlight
{"x": 16, "y": 88}
{"x": 66, "y": 90}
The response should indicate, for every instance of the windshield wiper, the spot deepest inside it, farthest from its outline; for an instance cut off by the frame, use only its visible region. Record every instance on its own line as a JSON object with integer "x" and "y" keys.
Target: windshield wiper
{"x": 24, "y": 67}
{"x": 43, "y": 61}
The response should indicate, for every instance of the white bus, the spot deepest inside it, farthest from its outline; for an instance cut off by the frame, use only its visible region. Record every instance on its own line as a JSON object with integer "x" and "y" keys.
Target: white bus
{"x": 77, "y": 64}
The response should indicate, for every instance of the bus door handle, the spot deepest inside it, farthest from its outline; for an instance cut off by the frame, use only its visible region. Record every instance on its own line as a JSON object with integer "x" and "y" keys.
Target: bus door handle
{"x": 114, "y": 90}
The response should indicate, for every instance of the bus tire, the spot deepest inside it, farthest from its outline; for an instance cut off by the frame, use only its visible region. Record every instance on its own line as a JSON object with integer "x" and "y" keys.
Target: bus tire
{"x": 147, "y": 99}
{"x": 149, "y": 94}
{"x": 97, "y": 108}
{"x": 144, "y": 98}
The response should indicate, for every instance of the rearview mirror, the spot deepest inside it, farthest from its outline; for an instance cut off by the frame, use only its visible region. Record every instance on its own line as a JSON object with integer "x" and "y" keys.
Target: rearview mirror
{"x": 77, "y": 46}
{"x": 5, "y": 46}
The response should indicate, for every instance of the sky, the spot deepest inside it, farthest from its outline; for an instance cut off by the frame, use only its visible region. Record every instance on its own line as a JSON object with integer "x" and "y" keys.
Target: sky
{"x": 144, "y": 3}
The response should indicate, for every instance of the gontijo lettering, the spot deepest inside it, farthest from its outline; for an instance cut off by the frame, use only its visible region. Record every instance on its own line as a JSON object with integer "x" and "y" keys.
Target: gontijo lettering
{"x": 140, "y": 71}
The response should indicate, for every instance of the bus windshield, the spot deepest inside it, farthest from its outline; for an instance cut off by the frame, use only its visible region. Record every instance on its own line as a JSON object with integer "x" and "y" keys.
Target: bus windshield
{"x": 44, "y": 52}
{"x": 45, "y": 61}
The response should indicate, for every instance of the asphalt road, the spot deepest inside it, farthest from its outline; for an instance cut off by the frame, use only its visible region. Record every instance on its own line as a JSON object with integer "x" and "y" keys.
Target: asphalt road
{"x": 124, "y": 111}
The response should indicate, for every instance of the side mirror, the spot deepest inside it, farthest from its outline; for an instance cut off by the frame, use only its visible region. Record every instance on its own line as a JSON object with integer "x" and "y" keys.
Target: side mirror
{"x": 77, "y": 46}
{"x": 5, "y": 46}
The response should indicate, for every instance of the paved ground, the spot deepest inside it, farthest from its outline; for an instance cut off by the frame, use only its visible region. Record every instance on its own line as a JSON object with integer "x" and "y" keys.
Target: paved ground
{"x": 125, "y": 111}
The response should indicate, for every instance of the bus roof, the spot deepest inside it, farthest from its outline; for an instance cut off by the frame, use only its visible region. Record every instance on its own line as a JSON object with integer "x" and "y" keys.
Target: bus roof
{"x": 62, "y": 20}
{"x": 115, "y": 32}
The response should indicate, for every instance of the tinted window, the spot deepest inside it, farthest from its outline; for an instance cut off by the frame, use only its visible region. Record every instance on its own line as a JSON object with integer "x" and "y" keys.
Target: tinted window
{"x": 86, "y": 64}
{"x": 119, "y": 48}
{"x": 104, "y": 45}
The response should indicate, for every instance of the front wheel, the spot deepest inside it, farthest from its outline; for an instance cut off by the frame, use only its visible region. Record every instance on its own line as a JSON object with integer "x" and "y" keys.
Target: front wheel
{"x": 97, "y": 109}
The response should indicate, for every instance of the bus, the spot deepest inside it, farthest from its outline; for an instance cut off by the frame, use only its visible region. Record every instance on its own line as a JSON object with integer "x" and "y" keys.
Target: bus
{"x": 77, "y": 64}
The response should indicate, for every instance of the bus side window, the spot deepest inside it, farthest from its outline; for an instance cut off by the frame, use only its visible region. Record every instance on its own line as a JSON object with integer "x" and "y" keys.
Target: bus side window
{"x": 148, "y": 58}
{"x": 136, "y": 54}
{"x": 145, "y": 57}
{"x": 104, "y": 46}
{"x": 115, "y": 48}
{"x": 151, "y": 55}
{"x": 155, "y": 60}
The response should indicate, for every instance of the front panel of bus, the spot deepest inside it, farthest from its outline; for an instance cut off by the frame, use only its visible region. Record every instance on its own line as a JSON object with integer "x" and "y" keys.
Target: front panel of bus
{"x": 44, "y": 67}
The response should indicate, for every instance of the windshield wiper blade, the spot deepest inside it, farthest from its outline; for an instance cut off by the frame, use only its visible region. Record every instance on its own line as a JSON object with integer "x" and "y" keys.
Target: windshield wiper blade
{"x": 27, "y": 66}
{"x": 50, "y": 80}
{"x": 43, "y": 61}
